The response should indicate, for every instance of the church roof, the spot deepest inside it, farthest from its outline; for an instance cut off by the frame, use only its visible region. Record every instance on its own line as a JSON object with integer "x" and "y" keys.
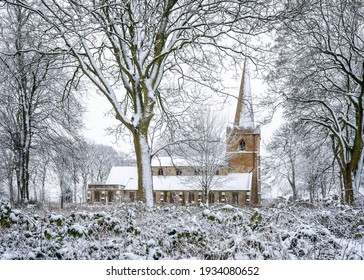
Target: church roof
{"x": 127, "y": 177}
{"x": 244, "y": 116}
{"x": 168, "y": 161}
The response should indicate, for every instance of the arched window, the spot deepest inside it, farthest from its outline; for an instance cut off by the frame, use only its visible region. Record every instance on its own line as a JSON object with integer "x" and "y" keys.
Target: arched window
{"x": 160, "y": 171}
{"x": 242, "y": 145}
{"x": 178, "y": 172}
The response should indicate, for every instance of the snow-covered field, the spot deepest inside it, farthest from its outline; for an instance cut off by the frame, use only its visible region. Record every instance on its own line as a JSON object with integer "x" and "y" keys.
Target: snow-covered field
{"x": 129, "y": 231}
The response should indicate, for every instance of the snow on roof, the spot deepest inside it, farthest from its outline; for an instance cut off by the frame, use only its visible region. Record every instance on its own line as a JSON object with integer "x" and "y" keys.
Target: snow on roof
{"x": 127, "y": 177}
{"x": 168, "y": 161}
{"x": 178, "y": 162}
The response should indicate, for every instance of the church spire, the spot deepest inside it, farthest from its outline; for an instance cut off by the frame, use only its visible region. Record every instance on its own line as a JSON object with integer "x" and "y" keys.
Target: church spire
{"x": 244, "y": 117}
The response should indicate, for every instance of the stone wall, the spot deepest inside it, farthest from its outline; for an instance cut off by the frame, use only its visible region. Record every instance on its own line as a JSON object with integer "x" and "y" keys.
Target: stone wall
{"x": 168, "y": 197}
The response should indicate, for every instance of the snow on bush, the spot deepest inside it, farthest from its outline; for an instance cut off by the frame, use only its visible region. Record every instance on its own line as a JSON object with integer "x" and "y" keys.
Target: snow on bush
{"x": 131, "y": 231}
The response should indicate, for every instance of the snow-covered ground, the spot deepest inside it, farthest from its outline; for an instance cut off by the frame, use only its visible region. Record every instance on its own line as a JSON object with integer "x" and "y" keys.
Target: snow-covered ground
{"x": 129, "y": 231}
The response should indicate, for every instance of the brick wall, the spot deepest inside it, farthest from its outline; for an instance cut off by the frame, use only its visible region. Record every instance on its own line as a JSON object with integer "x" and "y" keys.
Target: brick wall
{"x": 247, "y": 160}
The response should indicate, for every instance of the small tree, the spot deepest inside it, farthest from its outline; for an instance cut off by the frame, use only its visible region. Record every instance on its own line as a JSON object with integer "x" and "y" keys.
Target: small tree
{"x": 202, "y": 145}
{"x": 300, "y": 158}
{"x": 320, "y": 171}
{"x": 63, "y": 158}
{"x": 282, "y": 163}
{"x": 96, "y": 161}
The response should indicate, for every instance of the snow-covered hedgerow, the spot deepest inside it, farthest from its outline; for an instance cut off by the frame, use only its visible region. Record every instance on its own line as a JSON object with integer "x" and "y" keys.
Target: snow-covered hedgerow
{"x": 131, "y": 231}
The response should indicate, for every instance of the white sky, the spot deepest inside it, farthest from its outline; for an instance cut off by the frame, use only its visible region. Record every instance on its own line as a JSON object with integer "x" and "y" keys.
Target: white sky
{"x": 97, "y": 121}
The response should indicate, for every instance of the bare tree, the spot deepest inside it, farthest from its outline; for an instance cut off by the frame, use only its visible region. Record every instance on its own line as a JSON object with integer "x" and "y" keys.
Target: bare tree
{"x": 40, "y": 170}
{"x": 96, "y": 161}
{"x": 35, "y": 106}
{"x": 319, "y": 77}
{"x": 300, "y": 159}
{"x": 320, "y": 177}
{"x": 126, "y": 47}
{"x": 207, "y": 152}
{"x": 282, "y": 163}
{"x": 7, "y": 174}
{"x": 63, "y": 159}
{"x": 202, "y": 145}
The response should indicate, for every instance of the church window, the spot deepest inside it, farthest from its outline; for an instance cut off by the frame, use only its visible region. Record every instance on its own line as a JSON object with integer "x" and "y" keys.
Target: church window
{"x": 181, "y": 197}
{"x": 160, "y": 172}
{"x": 248, "y": 196}
{"x": 178, "y": 172}
{"x": 242, "y": 145}
{"x": 222, "y": 197}
{"x": 211, "y": 197}
{"x": 191, "y": 197}
{"x": 97, "y": 196}
{"x": 110, "y": 196}
{"x": 235, "y": 198}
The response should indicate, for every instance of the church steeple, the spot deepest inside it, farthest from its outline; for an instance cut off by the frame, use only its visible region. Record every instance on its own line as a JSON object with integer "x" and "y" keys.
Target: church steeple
{"x": 244, "y": 117}
{"x": 243, "y": 140}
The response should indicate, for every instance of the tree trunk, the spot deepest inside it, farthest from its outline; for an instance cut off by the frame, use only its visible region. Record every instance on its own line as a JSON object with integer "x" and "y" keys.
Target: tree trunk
{"x": 292, "y": 183}
{"x": 84, "y": 188}
{"x": 11, "y": 187}
{"x": 44, "y": 174}
{"x": 312, "y": 195}
{"x": 348, "y": 186}
{"x": 22, "y": 174}
{"x": 144, "y": 168}
{"x": 74, "y": 187}
{"x": 62, "y": 201}
{"x": 294, "y": 192}
{"x": 207, "y": 202}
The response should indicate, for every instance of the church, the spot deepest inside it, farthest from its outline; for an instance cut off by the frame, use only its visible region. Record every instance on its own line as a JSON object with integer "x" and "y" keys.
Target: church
{"x": 173, "y": 179}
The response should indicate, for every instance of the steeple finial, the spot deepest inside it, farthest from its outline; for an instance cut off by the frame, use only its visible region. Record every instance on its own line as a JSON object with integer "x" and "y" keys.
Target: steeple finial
{"x": 244, "y": 117}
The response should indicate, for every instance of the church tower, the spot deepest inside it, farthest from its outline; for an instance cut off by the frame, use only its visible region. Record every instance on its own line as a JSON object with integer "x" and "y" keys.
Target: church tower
{"x": 243, "y": 139}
